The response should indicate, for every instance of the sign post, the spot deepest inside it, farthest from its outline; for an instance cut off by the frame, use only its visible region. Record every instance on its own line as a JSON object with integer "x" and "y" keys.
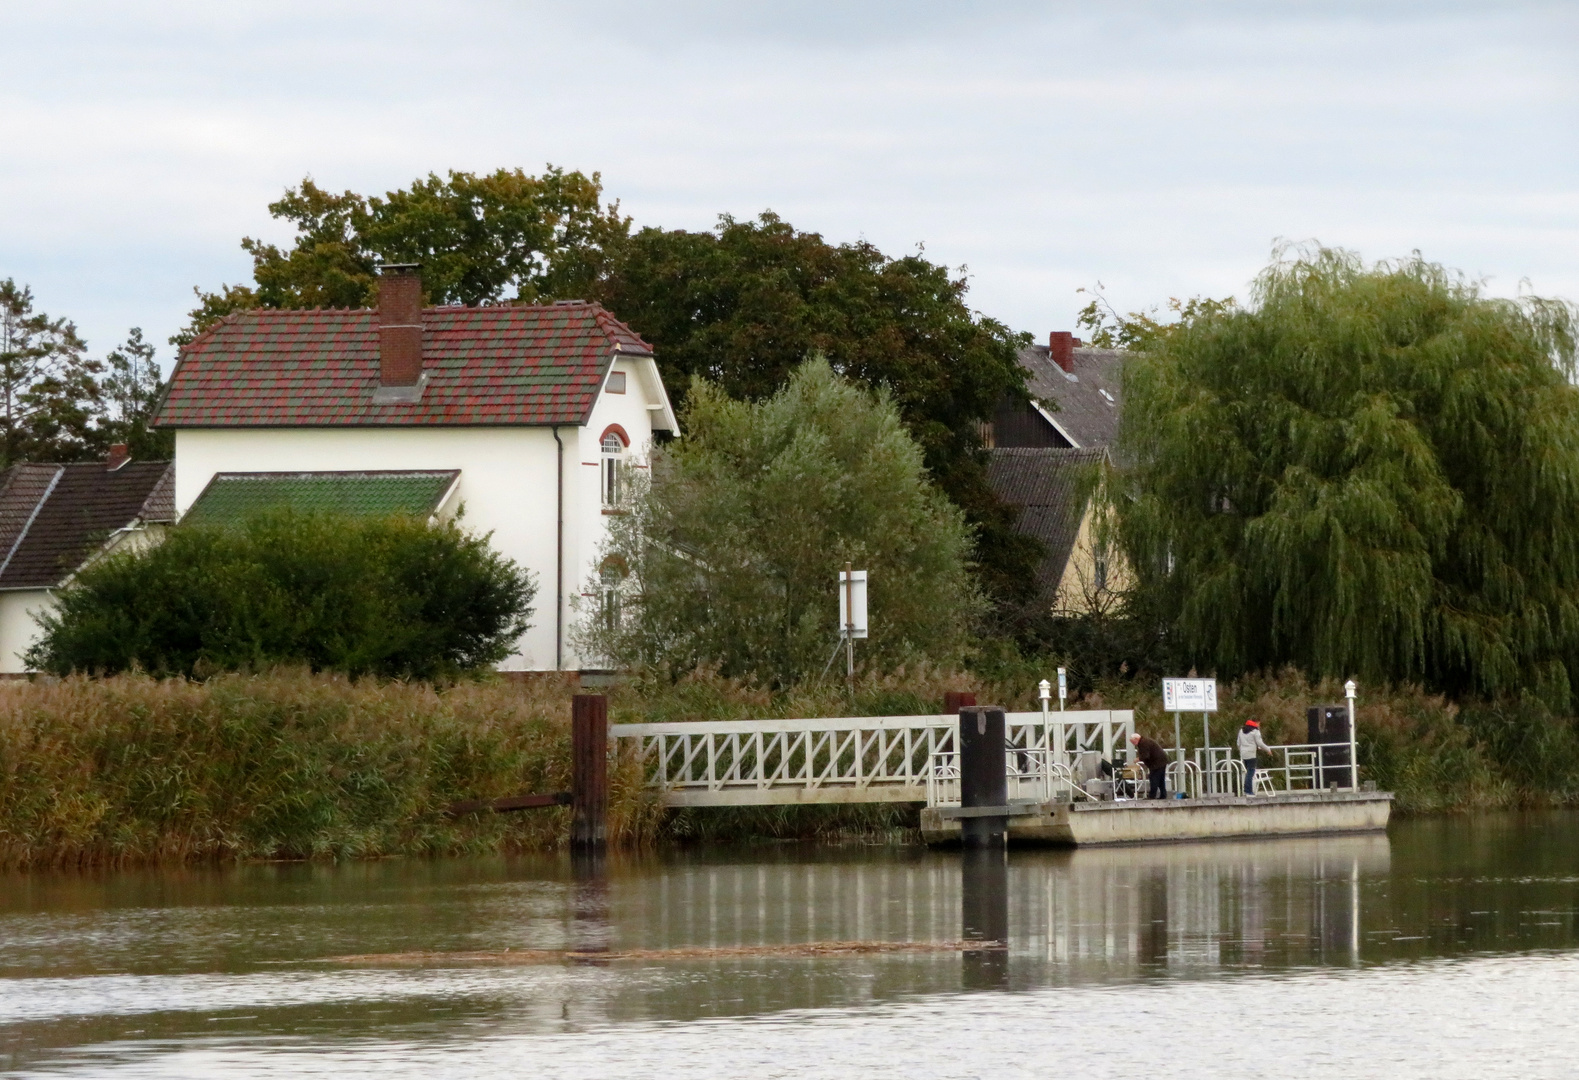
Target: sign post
{"x": 852, "y": 612}
{"x": 1188, "y": 695}
{"x": 1063, "y": 689}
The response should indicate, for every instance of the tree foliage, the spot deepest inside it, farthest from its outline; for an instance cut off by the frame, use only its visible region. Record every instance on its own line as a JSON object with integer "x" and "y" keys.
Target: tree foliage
{"x": 392, "y": 597}
{"x": 1369, "y": 470}
{"x": 130, "y": 391}
{"x": 732, "y": 555}
{"x": 502, "y": 237}
{"x": 49, "y": 391}
{"x": 744, "y": 305}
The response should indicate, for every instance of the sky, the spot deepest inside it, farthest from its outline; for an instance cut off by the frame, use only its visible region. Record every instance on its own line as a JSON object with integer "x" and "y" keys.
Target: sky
{"x": 1159, "y": 149}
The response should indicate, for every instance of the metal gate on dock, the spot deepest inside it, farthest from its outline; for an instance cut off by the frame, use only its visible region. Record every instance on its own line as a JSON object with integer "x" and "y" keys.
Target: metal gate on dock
{"x": 864, "y": 759}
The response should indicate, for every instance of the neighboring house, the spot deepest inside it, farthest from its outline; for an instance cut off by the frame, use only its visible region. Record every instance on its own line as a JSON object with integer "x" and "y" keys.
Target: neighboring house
{"x": 56, "y": 519}
{"x": 1077, "y": 397}
{"x": 525, "y": 419}
{"x": 1048, "y": 458}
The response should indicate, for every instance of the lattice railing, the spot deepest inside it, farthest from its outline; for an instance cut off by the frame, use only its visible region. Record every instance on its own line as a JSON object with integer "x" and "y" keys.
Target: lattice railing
{"x": 843, "y": 759}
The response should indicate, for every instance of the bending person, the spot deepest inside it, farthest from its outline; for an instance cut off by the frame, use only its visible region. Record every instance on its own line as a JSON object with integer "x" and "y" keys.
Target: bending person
{"x": 1155, "y": 758}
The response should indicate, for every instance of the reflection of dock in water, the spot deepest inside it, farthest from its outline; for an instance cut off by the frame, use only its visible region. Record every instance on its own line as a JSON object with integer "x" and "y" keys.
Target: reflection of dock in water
{"x": 1066, "y": 916}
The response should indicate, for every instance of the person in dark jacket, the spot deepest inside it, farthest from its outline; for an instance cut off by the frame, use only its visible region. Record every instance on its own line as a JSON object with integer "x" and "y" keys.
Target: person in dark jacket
{"x": 1155, "y": 758}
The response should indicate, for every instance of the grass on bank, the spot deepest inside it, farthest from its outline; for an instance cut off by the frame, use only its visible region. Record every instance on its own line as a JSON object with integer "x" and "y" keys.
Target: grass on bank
{"x": 292, "y": 765}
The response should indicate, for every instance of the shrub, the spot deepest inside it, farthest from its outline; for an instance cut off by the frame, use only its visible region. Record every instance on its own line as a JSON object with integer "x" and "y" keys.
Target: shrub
{"x": 382, "y": 596}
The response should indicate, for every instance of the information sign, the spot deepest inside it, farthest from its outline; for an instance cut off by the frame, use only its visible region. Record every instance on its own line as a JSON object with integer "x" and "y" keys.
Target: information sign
{"x": 1189, "y": 695}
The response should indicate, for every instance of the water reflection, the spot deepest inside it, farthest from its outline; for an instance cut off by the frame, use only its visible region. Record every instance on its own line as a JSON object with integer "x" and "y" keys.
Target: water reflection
{"x": 984, "y": 917}
{"x": 132, "y": 957}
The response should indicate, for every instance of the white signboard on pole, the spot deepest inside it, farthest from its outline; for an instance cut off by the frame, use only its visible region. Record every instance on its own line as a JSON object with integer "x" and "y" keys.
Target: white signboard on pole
{"x": 852, "y": 603}
{"x": 1189, "y": 695}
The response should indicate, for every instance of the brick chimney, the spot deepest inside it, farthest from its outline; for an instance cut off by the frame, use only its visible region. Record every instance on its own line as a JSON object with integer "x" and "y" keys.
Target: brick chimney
{"x": 400, "y": 328}
{"x": 119, "y": 455}
{"x": 1061, "y": 347}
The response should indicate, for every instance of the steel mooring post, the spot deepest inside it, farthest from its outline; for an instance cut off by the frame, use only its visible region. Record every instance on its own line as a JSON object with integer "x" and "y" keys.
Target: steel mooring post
{"x": 589, "y": 772}
{"x": 983, "y": 775}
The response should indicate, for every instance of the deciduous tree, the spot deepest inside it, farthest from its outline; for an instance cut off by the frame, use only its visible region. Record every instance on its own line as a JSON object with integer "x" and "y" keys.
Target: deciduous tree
{"x": 744, "y": 305}
{"x": 731, "y": 558}
{"x": 502, "y": 237}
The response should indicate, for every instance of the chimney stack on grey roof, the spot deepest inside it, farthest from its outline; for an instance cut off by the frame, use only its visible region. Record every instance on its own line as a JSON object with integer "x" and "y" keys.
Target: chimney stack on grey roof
{"x": 1061, "y": 347}
{"x": 400, "y": 331}
{"x": 119, "y": 455}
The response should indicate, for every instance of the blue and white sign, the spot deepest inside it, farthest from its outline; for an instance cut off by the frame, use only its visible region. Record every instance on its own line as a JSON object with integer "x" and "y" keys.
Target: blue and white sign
{"x": 1189, "y": 695}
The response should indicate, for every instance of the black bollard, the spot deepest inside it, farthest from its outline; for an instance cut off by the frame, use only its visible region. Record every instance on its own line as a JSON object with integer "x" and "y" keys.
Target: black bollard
{"x": 984, "y": 910}
{"x": 983, "y": 775}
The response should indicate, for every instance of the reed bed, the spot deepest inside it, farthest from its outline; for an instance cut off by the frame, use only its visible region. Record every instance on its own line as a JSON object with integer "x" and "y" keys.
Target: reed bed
{"x": 292, "y": 765}
{"x": 287, "y": 765}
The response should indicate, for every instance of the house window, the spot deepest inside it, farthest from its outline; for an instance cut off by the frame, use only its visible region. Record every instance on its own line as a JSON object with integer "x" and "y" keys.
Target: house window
{"x": 613, "y": 470}
{"x": 609, "y": 597}
{"x": 1100, "y": 570}
{"x": 616, "y": 382}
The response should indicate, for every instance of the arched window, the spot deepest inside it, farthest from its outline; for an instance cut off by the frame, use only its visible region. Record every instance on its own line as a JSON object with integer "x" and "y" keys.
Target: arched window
{"x": 613, "y": 469}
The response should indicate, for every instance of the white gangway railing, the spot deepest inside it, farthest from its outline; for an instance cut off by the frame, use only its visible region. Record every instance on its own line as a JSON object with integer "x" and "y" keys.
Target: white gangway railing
{"x": 1217, "y": 770}
{"x": 854, "y": 759}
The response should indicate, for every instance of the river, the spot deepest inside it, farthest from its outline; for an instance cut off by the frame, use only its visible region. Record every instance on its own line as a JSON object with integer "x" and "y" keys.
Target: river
{"x": 1448, "y": 948}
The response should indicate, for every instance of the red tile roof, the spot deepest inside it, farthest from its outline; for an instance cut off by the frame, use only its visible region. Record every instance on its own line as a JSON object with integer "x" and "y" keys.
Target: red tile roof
{"x": 517, "y": 365}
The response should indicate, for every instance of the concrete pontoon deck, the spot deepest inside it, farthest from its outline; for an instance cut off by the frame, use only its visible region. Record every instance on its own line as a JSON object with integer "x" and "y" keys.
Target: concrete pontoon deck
{"x": 1142, "y": 821}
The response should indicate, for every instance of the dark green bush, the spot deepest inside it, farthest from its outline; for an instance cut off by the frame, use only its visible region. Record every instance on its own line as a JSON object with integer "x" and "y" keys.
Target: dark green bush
{"x": 392, "y": 597}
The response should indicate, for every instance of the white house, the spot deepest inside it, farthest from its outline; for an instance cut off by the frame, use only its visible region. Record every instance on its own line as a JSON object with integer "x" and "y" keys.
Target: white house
{"x": 55, "y": 519}
{"x": 521, "y": 418}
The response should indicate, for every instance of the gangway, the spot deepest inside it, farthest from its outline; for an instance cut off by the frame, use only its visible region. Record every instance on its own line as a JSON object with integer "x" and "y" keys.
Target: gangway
{"x": 868, "y": 759}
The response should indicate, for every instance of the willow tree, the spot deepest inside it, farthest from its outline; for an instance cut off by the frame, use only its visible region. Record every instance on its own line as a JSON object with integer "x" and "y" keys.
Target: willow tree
{"x": 730, "y": 555}
{"x": 1368, "y": 470}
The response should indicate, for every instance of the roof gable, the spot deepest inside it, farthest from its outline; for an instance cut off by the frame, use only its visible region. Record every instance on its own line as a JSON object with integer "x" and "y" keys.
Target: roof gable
{"x": 52, "y": 517}
{"x": 1089, "y": 398}
{"x": 516, "y": 365}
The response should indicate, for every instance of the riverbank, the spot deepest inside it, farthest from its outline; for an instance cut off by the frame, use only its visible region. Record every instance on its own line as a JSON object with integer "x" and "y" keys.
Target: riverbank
{"x": 296, "y": 766}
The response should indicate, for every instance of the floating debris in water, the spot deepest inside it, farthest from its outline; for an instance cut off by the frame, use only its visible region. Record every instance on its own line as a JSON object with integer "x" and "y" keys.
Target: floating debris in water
{"x": 513, "y": 957}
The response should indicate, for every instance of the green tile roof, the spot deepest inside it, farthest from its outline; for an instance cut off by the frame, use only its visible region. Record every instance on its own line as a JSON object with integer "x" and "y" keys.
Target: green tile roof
{"x": 233, "y": 497}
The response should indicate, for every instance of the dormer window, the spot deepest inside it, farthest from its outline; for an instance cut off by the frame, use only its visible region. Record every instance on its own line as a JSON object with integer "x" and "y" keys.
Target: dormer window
{"x": 613, "y": 469}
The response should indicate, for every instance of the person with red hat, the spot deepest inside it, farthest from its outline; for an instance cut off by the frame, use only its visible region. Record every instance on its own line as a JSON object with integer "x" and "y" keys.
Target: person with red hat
{"x": 1250, "y": 745}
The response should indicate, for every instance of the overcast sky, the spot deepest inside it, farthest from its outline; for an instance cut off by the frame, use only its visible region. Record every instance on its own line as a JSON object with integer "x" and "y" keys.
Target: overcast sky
{"x": 1160, "y": 148}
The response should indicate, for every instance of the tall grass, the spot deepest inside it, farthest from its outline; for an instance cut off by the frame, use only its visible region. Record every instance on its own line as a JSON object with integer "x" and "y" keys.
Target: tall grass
{"x": 283, "y": 766}
{"x": 292, "y": 765}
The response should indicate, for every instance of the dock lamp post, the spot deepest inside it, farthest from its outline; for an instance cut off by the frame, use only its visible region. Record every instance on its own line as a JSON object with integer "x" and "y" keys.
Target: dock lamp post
{"x": 1354, "y": 756}
{"x": 1044, "y": 693}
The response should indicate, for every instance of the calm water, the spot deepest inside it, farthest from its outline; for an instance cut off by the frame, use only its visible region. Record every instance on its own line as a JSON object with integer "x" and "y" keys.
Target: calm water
{"x": 1449, "y": 948}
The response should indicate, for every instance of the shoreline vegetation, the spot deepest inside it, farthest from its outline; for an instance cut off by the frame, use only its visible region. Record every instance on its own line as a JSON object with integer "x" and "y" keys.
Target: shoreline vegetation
{"x": 293, "y": 765}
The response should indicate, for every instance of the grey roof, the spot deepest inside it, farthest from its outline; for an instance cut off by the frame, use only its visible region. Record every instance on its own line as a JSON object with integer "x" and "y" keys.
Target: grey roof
{"x": 1089, "y": 398}
{"x": 52, "y": 517}
{"x": 1051, "y": 486}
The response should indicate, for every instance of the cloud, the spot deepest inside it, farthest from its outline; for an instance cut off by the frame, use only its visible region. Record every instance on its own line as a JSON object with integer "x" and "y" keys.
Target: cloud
{"x": 1158, "y": 147}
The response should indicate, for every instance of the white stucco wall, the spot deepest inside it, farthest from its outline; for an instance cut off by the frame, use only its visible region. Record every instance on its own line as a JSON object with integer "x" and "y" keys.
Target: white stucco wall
{"x": 18, "y": 631}
{"x": 507, "y": 485}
